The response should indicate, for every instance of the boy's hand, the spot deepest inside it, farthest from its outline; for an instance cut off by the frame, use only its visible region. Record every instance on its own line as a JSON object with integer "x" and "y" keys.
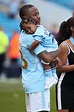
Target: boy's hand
{"x": 31, "y": 51}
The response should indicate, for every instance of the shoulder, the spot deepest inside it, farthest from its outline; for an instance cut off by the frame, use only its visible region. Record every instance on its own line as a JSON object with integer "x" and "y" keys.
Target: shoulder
{"x": 26, "y": 39}
{"x": 23, "y": 35}
{"x": 40, "y": 30}
{"x": 64, "y": 47}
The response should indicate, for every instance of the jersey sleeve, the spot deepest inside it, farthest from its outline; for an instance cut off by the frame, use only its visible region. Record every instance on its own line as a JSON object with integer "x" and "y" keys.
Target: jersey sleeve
{"x": 39, "y": 49}
{"x": 38, "y": 37}
{"x": 39, "y": 33}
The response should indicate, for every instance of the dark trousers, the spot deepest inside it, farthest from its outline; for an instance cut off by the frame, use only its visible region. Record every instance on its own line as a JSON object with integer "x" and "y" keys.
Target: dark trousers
{"x": 2, "y": 59}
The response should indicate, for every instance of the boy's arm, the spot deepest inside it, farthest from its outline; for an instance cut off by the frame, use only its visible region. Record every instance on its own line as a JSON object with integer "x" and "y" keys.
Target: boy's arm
{"x": 33, "y": 45}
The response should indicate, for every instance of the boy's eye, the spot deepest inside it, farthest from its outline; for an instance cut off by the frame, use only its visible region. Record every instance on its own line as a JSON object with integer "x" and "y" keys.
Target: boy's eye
{"x": 36, "y": 13}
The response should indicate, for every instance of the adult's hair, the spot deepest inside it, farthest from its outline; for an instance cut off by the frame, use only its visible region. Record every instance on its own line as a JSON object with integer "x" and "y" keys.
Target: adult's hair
{"x": 64, "y": 30}
{"x": 23, "y": 10}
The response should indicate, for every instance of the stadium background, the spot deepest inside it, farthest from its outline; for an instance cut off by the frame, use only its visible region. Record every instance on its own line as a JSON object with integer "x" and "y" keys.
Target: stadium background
{"x": 52, "y": 14}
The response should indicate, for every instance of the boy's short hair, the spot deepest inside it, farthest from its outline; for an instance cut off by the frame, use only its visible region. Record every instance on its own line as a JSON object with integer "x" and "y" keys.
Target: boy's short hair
{"x": 26, "y": 20}
{"x": 23, "y": 10}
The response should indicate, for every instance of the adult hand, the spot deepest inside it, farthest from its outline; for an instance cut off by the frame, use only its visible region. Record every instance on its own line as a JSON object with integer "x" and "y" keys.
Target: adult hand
{"x": 52, "y": 64}
{"x": 58, "y": 62}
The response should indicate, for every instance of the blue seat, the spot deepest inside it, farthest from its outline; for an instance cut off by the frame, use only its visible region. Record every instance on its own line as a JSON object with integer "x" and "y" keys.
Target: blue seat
{"x": 8, "y": 24}
{"x": 66, "y": 3}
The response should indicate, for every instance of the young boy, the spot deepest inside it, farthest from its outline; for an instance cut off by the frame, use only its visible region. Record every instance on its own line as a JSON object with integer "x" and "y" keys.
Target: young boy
{"x": 43, "y": 37}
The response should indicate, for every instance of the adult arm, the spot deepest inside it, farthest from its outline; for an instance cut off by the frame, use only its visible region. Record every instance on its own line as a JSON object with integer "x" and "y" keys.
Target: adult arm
{"x": 44, "y": 55}
{"x": 48, "y": 57}
{"x": 40, "y": 51}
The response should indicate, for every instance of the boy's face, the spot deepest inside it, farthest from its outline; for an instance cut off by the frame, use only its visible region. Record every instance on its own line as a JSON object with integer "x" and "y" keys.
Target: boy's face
{"x": 29, "y": 28}
{"x": 34, "y": 14}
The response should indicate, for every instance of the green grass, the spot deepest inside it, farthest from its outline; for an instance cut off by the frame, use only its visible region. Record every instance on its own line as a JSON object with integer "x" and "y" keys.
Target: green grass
{"x": 12, "y": 97}
{"x": 53, "y": 100}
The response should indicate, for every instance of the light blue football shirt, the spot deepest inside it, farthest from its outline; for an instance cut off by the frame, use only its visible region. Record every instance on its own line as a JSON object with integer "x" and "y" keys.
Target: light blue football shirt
{"x": 45, "y": 38}
{"x": 33, "y": 76}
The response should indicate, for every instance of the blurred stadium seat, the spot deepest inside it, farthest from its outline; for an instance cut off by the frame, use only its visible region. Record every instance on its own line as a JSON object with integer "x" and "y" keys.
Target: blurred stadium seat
{"x": 66, "y": 3}
{"x": 8, "y": 24}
